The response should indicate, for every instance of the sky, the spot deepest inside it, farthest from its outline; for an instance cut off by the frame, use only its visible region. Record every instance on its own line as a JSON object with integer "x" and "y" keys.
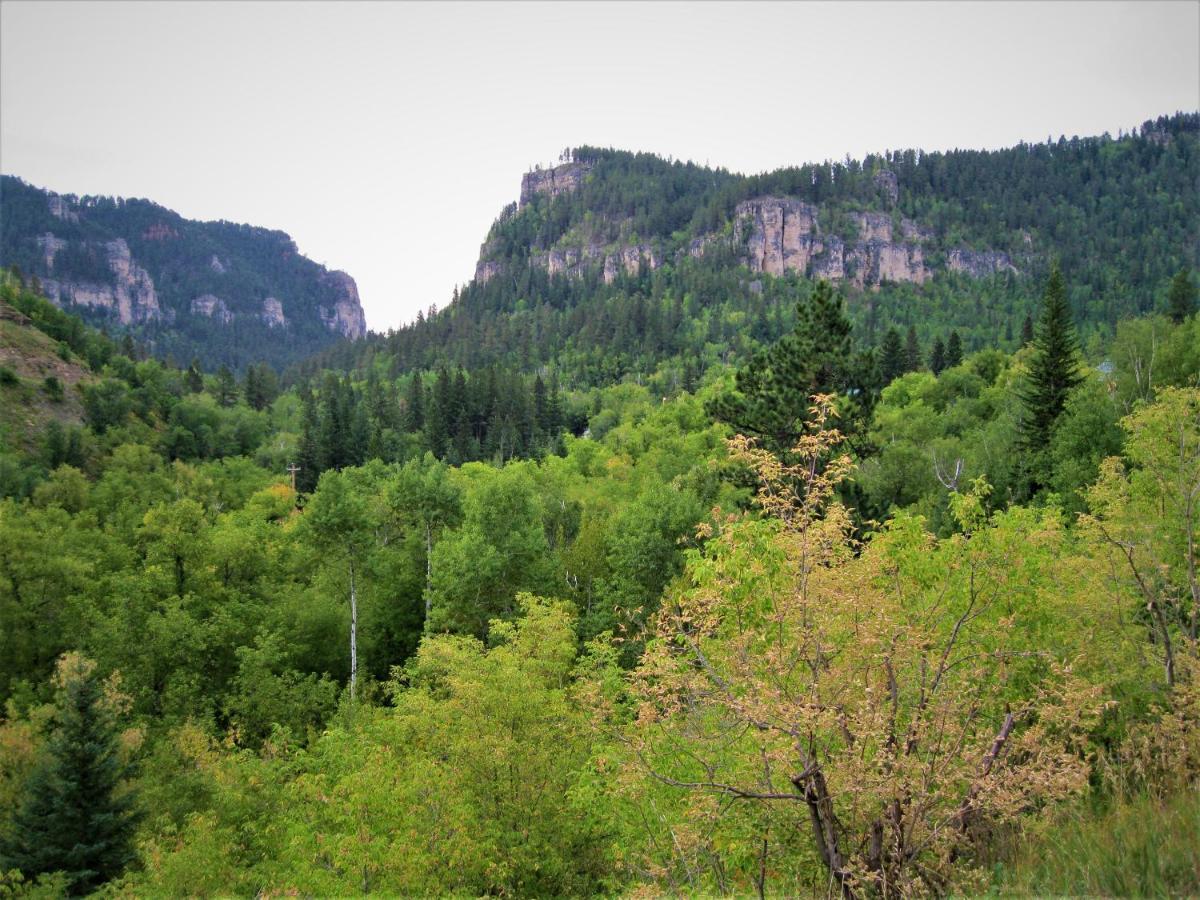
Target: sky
{"x": 385, "y": 137}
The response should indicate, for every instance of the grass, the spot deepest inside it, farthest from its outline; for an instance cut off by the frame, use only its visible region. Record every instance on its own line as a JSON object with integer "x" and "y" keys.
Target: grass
{"x": 1143, "y": 847}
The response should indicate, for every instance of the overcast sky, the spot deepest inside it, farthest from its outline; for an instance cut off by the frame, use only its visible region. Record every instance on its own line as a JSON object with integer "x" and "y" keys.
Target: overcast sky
{"x": 385, "y": 137}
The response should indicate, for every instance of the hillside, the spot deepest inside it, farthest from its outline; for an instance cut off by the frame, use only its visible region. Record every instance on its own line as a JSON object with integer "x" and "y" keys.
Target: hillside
{"x": 617, "y": 264}
{"x": 40, "y": 380}
{"x": 228, "y": 294}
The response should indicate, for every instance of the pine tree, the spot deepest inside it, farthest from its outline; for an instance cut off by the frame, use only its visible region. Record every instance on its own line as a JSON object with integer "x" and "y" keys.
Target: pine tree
{"x": 912, "y": 351}
{"x": 226, "y": 389}
{"x": 1027, "y": 330}
{"x": 773, "y": 392}
{"x": 1053, "y": 370}
{"x": 414, "y": 405}
{"x": 193, "y": 379}
{"x": 937, "y": 357}
{"x": 74, "y": 815}
{"x": 891, "y": 356}
{"x": 309, "y": 452}
{"x": 954, "y": 350}
{"x": 1181, "y": 298}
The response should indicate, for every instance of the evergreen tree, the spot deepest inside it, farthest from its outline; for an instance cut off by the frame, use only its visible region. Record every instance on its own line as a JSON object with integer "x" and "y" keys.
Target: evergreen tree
{"x": 414, "y": 405}
{"x": 1027, "y": 330}
{"x": 1181, "y": 298}
{"x": 74, "y": 815}
{"x": 891, "y": 356}
{"x": 193, "y": 379}
{"x": 937, "y": 357}
{"x": 260, "y": 387}
{"x": 954, "y": 350}
{"x": 773, "y": 392}
{"x": 1053, "y": 370}
{"x": 912, "y": 351}
{"x": 309, "y": 456}
{"x": 226, "y": 389}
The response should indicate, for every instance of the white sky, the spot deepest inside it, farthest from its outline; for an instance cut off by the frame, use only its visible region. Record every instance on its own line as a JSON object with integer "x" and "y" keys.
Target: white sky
{"x": 385, "y": 137}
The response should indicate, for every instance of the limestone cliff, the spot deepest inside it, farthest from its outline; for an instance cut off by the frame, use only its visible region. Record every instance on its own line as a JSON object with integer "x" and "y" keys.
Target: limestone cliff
{"x": 552, "y": 182}
{"x": 781, "y": 235}
{"x": 213, "y": 307}
{"x": 272, "y": 313}
{"x": 345, "y": 314}
{"x": 130, "y": 295}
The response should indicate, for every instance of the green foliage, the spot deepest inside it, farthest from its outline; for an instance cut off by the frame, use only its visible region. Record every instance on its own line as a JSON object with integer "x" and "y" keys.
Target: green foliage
{"x": 1053, "y": 368}
{"x": 75, "y": 815}
{"x": 772, "y": 393}
{"x": 1143, "y": 847}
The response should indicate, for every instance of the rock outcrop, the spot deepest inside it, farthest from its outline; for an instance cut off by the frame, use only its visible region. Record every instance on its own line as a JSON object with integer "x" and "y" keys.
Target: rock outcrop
{"x": 574, "y": 261}
{"x": 50, "y": 245}
{"x": 887, "y": 183}
{"x": 559, "y": 180}
{"x": 272, "y": 313}
{"x": 60, "y": 208}
{"x": 784, "y": 235}
{"x": 978, "y": 263}
{"x": 345, "y": 315}
{"x": 487, "y": 269}
{"x": 131, "y": 295}
{"x": 212, "y": 307}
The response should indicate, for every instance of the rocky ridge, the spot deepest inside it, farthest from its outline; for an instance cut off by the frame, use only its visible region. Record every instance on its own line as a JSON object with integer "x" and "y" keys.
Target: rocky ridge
{"x": 776, "y": 235}
{"x": 141, "y": 265}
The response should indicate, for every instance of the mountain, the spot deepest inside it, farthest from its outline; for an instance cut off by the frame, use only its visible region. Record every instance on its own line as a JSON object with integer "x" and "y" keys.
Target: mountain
{"x": 616, "y": 264}
{"x": 229, "y": 294}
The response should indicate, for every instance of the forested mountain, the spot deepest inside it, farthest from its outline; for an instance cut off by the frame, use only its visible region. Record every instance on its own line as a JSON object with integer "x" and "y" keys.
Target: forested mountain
{"x": 615, "y": 263}
{"x": 830, "y": 533}
{"x": 225, "y": 293}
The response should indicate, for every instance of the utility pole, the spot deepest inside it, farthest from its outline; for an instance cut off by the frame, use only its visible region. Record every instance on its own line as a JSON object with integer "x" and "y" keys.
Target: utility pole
{"x": 292, "y": 470}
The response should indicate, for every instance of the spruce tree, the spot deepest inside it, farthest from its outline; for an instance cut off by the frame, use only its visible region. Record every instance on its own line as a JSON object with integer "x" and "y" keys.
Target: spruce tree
{"x": 74, "y": 816}
{"x": 414, "y": 405}
{"x": 193, "y": 379}
{"x": 1027, "y": 330}
{"x": 1053, "y": 370}
{"x": 937, "y": 357}
{"x": 1181, "y": 298}
{"x": 954, "y": 350}
{"x": 891, "y": 356}
{"x": 226, "y": 388}
{"x": 773, "y": 391}
{"x": 912, "y": 350}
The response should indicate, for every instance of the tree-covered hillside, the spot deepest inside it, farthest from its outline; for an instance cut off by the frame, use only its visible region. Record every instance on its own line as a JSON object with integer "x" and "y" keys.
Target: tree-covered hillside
{"x": 1119, "y": 214}
{"x": 681, "y": 578}
{"x": 227, "y": 294}
{"x": 799, "y": 631}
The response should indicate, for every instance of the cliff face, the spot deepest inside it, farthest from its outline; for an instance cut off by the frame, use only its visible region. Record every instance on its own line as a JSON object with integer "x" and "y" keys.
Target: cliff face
{"x": 130, "y": 296}
{"x": 784, "y": 235}
{"x": 552, "y": 182}
{"x": 345, "y": 313}
{"x": 175, "y": 282}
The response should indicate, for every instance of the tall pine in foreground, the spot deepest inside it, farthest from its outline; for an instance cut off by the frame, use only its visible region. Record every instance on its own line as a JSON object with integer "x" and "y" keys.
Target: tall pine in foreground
{"x": 773, "y": 392}
{"x": 74, "y": 816}
{"x": 1053, "y": 374}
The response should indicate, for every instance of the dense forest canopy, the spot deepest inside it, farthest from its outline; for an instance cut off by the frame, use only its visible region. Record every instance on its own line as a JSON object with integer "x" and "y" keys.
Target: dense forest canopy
{"x": 701, "y": 581}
